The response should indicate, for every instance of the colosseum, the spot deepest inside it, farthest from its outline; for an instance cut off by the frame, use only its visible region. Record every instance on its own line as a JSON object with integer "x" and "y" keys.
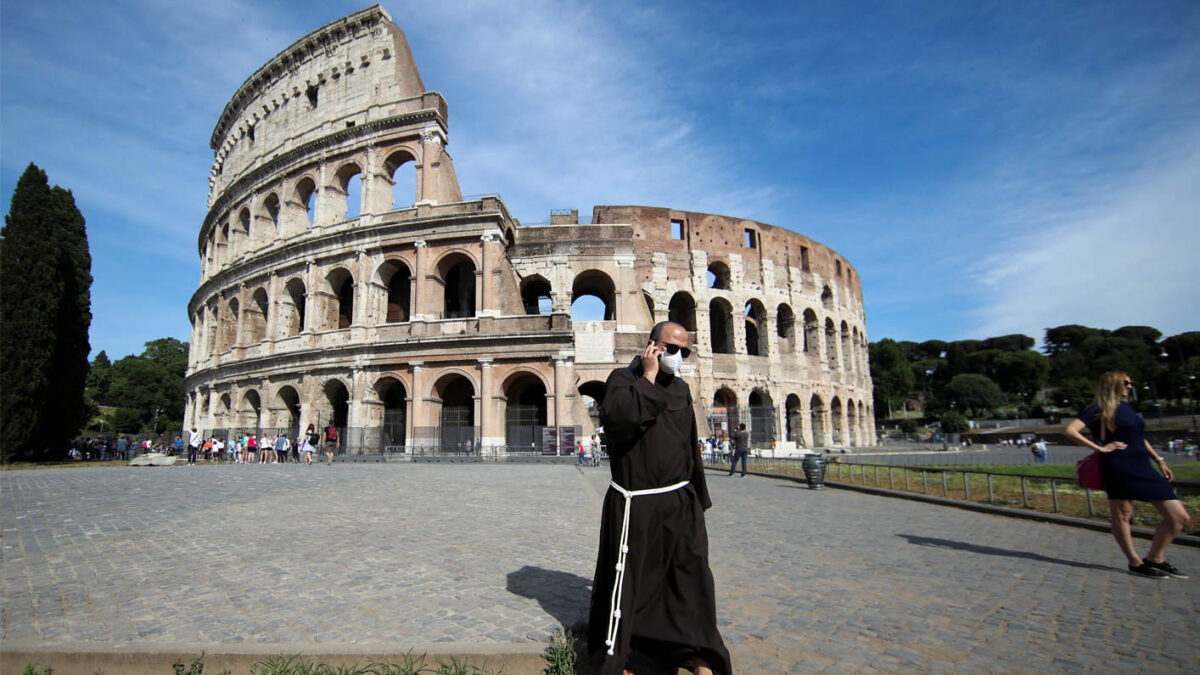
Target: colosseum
{"x": 344, "y": 278}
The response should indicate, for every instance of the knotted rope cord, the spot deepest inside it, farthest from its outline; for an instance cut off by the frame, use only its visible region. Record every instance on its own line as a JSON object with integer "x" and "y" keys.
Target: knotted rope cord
{"x": 614, "y": 615}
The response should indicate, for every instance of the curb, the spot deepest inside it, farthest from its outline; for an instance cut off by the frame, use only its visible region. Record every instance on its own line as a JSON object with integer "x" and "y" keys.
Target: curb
{"x": 86, "y": 658}
{"x": 1054, "y": 518}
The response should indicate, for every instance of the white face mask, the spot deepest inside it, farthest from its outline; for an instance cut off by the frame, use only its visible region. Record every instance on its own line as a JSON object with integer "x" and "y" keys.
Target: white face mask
{"x": 670, "y": 363}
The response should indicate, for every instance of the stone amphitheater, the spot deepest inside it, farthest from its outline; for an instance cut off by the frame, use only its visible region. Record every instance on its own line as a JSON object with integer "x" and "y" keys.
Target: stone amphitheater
{"x": 345, "y": 279}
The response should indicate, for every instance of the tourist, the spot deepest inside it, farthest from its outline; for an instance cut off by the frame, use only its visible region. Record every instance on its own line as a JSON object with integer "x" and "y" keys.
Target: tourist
{"x": 653, "y": 607}
{"x": 1118, "y": 434}
{"x": 331, "y": 442}
{"x": 193, "y": 446}
{"x": 741, "y": 448}
{"x": 281, "y": 447}
{"x": 311, "y": 439}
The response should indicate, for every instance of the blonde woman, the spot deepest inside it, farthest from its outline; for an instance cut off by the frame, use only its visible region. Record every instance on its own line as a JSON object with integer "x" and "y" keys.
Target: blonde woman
{"x": 1118, "y": 434}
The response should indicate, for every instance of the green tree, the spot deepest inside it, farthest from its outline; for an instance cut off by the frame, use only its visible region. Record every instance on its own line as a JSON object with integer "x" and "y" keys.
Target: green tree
{"x": 100, "y": 378}
{"x": 953, "y": 422}
{"x": 891, "y": 376}
{"x": 972, "y": 393}
{"x": 151, "y": 384}
{"x": 45, "y": 313}
{"x": 1021, "y": 373}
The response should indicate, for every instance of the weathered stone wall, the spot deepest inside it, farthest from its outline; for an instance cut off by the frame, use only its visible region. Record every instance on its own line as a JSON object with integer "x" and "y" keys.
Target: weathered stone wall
{"x": 422, "y": 311}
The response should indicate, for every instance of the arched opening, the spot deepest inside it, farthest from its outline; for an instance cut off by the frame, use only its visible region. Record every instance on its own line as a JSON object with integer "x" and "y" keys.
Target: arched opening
{"x": 213, "y": 327}
{"x": 292, "y": 307}
{"x": 785, "y": 328}
{"x": 795, "y": 419}
{"x": 812, "y": 333}
{"x": 271, "y": 204}
{"x": 396, "y": 277}
{"x": 224, "y": 406}
{"x": 338, "y": 398}
{"x": 816, "y": 409}
{"x": 723, "y": 417}
{"x": 836, "y": 416}
{"x": 718, "y": 275}
{"x": 682, "y": 310}
{"x": 457, "y": 274}
{"x": 251, "y": 412}
{"x": 649, "y": 305}
{"x": 847, "y": 352}
{"x": 851, "y": 423}
{"x": 256, "y": 317}
{"x": 306, "y": 190}
{"x": 230, "y": 324}
{"x": 524, "y": 412}
{"x": 756, "y": 320}
{"x": 402, "y": 170}
{"x": 831, "y": 349}
{"x": 349, "y": 180}
{"x": 592, "y": 394}
{"x": 456, "y": 418}
{"x": 339, "y": 311}
{"x": 394, "y": 434}
{"x": 244, "y": 228}
{"x": 535, "y": 295}
{"x": 762, "y": 418}
{"x": 289, "y": 402}
{"x": 223, "y": 255}
{"x": 720, "y": 325}
{"x": 593, "y": 297}
{"x": 827, "y": 297}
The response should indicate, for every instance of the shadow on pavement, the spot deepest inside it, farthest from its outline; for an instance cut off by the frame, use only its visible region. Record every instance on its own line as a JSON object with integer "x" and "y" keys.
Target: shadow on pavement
{"x": 562, "y": 595}
{"x": 992, "y": 550}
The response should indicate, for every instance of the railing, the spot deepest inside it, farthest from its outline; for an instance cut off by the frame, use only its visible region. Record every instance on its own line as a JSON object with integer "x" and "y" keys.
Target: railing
{"x": 1047, "y": 494}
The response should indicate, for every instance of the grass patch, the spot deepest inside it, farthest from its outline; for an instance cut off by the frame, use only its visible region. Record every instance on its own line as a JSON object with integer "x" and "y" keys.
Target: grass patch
{"x": 1183, "y": 471}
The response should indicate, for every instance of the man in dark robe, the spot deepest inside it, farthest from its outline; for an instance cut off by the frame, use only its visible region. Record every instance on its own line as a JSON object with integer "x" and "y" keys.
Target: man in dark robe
{"x": 653, "y": 605}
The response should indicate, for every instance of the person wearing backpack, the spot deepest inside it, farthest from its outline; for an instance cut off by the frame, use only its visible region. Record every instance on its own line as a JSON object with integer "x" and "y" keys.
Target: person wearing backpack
{"x": 331, "y": 441}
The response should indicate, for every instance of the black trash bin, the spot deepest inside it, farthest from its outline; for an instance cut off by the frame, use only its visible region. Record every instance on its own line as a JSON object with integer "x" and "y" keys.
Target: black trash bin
{"x": 814, "y": 470}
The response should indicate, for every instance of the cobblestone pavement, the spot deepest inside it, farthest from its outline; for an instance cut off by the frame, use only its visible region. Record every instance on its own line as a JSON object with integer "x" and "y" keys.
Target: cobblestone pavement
{"x": 807, "y": 581}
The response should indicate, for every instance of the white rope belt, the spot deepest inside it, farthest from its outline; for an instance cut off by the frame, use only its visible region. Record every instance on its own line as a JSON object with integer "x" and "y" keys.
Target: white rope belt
{"x": 614, "y": 616}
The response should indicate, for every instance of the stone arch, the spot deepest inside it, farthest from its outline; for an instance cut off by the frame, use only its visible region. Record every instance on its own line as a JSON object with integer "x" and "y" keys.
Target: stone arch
{"x": 229, "y": 326}
{"x": 256, "y": 316}
{"x": 592, "y": 395}
{"x": 793, "y": 420}
{"x": 394, "y": 395}
{"x": 851, "y": 423}
{"x": 213, "y": 327}
{"x": 847, "y": 351}
{"x": 837, "y": 420}
{"x": 827, "y": 297}
{"x": 304, "y": 198}
{"x": 831, "y": 348}
{"x": 536, "y": 295}
{"x": 762, "y": 417}
{"x": 453, "y": 397}
{"x": 224, "y": 417}
{"x": 812, "y": 333}
{"x": 456, "y": 272}
{"x": 250, "y": 411}
{"x": 525, "y": 410}
{"x": 348, "y": 191}
{"x": 785, "y": 328}
{"x": 649, "y": 299}
{"x": 817, "y": 411}
{"x": 720, "y": 326}
{"x": 395, "y": 277}
{"x": 339, "y": 307}
{"x": 718, "y": 275}
{"x": 596, "y": 284}
{"x": 288, "y": 402}
{"x": 292, "y": 307}
{"x": 756, "y": 324}
{"x": 724, "y": 415}
{"x": 272, "y": 207}
{"x": 400, "y": 167}
{"x": 682, "y": 310}
{"x": 222, "y": 254}
{"x": 337, "y": 403}
{"x": 243, "y": 230}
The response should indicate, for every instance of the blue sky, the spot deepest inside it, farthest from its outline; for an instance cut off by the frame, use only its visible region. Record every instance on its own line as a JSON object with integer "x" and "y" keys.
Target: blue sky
{"x": 988, "y": 167}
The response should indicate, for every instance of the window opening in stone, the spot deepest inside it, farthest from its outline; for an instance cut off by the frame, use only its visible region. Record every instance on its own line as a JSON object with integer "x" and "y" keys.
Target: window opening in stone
{"x": 718, "y": 275}
{"x": 720, "y": 326}
{"x": 831, "y": 350}
{"x": 256, "y": 320}
{"x": 271, "y": 203}
{"x": 804, "y": 264}
{"x": 230, "y": 325}
{"x": 756, "y": 337}
{"x": 250, "y": 134}
{"x": 535, "y": 296}
{"x": 812, "y": 332}
{"x": 345, "y": 303}
{"x": 402, "y": 169}
{"x": 837, "y": 264}
{"x": 785, "y": 328}
{"x": 524, "y": 413}
{"x": 349, "y": 179}
{"x": 306, "y": 191}
{"x": 311, "y": 92}
{"x": 682, "y": 310}
{"x": 593, "y": 297}
{"x": 751, "y": 239}
{"x": 458, "y": 297}
{"x": 827, "y": 297}
{"x": 677, "y": 229}
{"x": 293, "y": 308}
{"x": 244, "y": 223}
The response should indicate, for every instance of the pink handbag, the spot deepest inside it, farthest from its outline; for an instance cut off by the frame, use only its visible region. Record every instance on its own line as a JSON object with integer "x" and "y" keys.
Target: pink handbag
{"x": 1087, "y": 472}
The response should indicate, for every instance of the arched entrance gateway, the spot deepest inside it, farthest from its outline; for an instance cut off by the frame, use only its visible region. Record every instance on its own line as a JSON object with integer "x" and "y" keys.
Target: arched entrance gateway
{"x": 394, "y": 430}
{"x": 454, "y": 395}
{"x": 816, "y": 409}
{"x": 724, "y": 415}
{"x": 762, "y": 418}
{"x": 794, "y": 431}
{"x": 524, "y": 412}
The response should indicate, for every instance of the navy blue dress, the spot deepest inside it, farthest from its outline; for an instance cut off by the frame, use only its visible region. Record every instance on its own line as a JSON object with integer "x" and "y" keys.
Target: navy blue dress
{"x": 1128, "y": 473}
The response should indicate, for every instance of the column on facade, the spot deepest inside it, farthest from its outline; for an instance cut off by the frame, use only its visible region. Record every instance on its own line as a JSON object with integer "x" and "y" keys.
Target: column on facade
{"x": 417, "y": 405}
{"x": 369, "y": 181}
{"x": 487, "y": 257}
{"x": 271, "y": 320}
{"x": 239, "y": 325}
{"x": 491, "y": 428}
{"x": 431, "y": 154}
{"x": 310, "y": 296}
{"x": 560, "y": 391}
{"x": 361, "y": 290}
{"x": 626, "y": 294}
{"x": 417, "y": 284}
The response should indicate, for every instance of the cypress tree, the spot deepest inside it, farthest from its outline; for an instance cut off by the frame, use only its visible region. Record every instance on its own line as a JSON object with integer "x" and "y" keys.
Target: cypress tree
{"x": 45, "y": 313}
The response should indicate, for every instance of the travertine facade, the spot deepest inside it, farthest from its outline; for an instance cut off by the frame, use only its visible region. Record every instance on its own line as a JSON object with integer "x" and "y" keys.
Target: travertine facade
{"x": 344, "y": 277}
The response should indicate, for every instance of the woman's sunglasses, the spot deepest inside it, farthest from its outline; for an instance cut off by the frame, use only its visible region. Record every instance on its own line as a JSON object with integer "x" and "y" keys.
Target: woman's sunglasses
{"x": 672, "y": 349}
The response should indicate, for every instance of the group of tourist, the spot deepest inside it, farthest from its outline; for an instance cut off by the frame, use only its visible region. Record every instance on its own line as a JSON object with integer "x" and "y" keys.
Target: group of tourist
{"x": 262, "y": 449}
